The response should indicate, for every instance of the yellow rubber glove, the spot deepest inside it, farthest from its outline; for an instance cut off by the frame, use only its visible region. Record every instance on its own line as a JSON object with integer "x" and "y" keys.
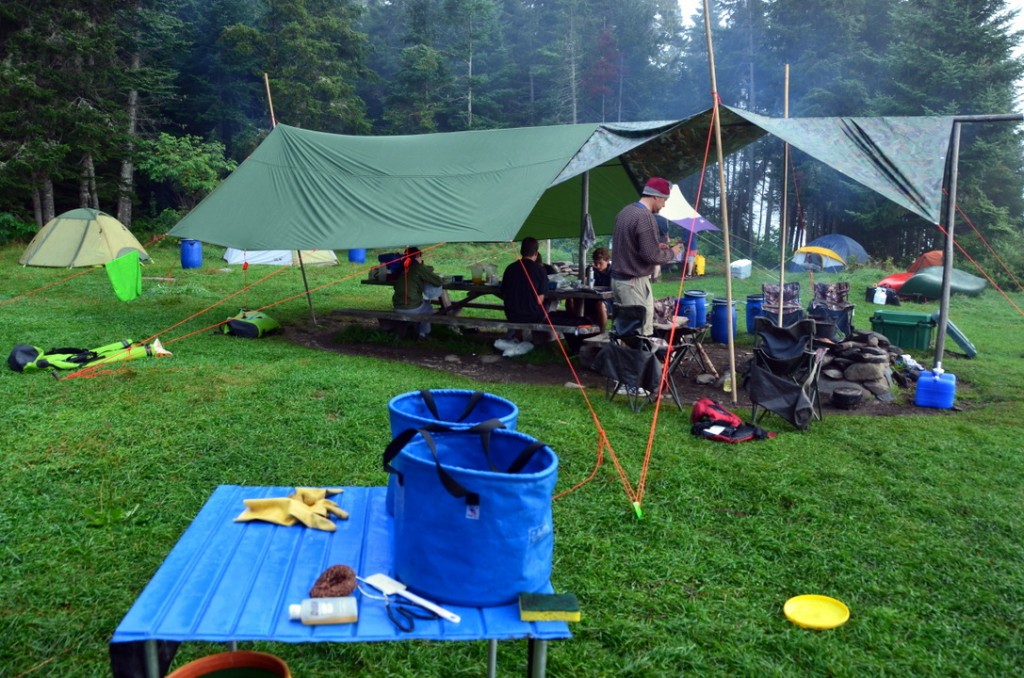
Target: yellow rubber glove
{"x": 308, "y": 495}
{"x": 308, "y": 517}
{"x": 274, "y": 510}
{"x": 333, "y": 508}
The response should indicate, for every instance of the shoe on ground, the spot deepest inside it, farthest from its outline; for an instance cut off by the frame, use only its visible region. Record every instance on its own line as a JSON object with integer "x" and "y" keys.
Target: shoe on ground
{"x": 632, "y": 390}
{"x": 505, "y": 344}
{"x": 521, "y": 348}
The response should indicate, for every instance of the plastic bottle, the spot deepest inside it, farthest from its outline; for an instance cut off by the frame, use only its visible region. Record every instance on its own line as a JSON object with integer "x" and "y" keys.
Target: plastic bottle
{"x": 313, "y": 611}
{"x": 590, "y": 276}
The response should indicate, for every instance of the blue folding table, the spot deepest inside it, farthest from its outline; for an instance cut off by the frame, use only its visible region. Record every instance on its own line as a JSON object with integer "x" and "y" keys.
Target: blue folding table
{"x": 228, "y": 582}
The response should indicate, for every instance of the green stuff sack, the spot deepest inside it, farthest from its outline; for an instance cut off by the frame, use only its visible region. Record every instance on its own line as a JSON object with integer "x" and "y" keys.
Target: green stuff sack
{"x": 25, "y": 358}
{"x": 250, "y": 324}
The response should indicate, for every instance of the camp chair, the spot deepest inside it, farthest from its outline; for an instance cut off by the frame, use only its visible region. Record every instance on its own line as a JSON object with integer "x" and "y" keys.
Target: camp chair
{"x": 788, "y": 296}
{"x": 631, "y": 362}
{"x": 782, "y": 377}
{"x": 831, "y": 305}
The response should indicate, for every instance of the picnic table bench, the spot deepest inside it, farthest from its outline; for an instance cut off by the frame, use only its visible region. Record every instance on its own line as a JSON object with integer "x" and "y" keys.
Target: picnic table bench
{"x": 498, "y": 324}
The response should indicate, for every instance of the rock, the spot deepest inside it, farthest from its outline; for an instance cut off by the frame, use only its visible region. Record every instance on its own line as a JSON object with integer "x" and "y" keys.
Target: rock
{"x": 705, "y": 379}
{"x": 489, "y": 359}
{"x": 452, "y": 358}
{"x": 881, "y": 389}
{"x": 861, "y": 372}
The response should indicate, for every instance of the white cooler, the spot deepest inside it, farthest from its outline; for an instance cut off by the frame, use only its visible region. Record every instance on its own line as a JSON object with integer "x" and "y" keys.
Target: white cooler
{"x": 740, "y": 268}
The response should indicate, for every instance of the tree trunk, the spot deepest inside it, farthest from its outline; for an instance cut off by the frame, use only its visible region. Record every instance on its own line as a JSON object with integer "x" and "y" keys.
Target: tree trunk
{"x": 126, "y": 184}
{"x": 37, "y": 206}
{"x": 87, "y": 192}
{"x": 46, "y": 197}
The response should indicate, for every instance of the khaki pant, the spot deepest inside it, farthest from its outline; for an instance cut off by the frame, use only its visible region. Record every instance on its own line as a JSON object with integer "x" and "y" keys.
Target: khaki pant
{"x": 636, "y": 292}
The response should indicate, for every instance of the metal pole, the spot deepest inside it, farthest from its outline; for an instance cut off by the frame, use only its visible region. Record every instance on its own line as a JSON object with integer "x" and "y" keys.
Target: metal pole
{"x": 947, "y": 256}
{"x": 725, "y": 208}
{"x": 584, "y": 218}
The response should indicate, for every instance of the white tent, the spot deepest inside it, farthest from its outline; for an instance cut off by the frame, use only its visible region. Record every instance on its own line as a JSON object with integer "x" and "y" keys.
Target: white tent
{"x": 281, "y": 257}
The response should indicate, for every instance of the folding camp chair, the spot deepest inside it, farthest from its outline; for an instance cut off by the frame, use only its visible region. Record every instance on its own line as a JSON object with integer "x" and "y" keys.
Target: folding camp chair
{"x": 782, "y": 377}
{"x": 631, "y": 362}
{"x": 831, "y": 305}
{"x": 788, "y": 297}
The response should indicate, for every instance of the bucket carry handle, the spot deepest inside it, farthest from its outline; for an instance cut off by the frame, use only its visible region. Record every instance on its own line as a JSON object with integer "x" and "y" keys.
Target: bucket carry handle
{"x": 453, "y": 486}
{"x": 428, "y": 399}
{"x": 484, "y": 428}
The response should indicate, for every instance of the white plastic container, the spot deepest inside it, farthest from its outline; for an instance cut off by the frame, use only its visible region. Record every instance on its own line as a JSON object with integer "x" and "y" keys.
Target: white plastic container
{"x": 741, "y": 268}
{"x": 314, "y": 611}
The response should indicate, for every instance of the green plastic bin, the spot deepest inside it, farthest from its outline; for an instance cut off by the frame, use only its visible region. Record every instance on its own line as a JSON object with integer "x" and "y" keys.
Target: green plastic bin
{"x": 906, "y": 330}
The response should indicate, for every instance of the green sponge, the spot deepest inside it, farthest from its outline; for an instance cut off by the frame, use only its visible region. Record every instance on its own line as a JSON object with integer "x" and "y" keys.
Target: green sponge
{"x": 549, "y": 607}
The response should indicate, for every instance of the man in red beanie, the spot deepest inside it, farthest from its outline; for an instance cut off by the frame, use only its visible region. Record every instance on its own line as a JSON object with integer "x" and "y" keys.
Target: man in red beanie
{"x": 636, "y": 250}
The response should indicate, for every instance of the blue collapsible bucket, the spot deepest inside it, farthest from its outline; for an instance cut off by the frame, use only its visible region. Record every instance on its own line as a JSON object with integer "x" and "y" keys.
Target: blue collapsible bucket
{"x": 700, "y": 307}
{"x": 473, "y": 527}
{"x": 454, "y": 408}
{"x": 720, "y": 309}
{"x": 191, "y": 254}
{"x": 357, "y": 256}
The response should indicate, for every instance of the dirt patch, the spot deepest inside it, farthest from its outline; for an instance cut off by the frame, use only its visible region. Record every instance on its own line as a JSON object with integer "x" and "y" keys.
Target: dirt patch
{"x": 477, "y": 359}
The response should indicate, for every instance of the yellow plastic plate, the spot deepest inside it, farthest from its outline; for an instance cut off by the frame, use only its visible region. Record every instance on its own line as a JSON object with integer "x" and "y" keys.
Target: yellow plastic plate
{"x": 816, "y": 612}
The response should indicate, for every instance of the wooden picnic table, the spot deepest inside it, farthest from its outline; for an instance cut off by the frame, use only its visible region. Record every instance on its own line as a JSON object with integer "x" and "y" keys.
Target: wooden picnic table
{"x": 474, "y": 291}
{"x": 451, "y": 313}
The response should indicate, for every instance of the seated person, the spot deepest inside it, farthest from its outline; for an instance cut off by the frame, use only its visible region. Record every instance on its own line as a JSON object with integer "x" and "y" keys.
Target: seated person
{"x": 523, "y": 285}
{"x": 415, "y": 286}
{"x": 598, "y": 310}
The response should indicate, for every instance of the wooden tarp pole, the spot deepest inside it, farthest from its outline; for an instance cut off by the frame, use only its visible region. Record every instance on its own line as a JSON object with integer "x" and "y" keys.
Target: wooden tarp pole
{"x": 783, "y": 226}
{"x": 270, "y": 101}
{"x": 298, "y": 253}
{"x": 725, "y": 208}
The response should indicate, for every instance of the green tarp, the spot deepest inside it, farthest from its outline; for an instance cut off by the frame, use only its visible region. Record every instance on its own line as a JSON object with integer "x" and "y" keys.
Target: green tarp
{"x": 312, "y": 190}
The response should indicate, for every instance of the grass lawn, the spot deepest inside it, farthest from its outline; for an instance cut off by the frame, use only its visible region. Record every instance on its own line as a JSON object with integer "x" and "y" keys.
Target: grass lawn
{"x": 915, "y": 522}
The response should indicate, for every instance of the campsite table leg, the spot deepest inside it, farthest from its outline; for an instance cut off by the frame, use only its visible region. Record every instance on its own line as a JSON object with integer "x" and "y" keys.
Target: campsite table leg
{"x": 152, "y": 660}
{"x": 492, "y": 658}
{"x": 538, "y": 658}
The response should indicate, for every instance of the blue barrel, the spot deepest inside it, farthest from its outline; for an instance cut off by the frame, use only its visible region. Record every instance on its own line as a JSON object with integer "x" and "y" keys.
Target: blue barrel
{"x": 357, "y": 256}
{"x": 687, "y": 306}
{"x": 755, "y": 306}
{"x": 191, "y": 254}
{"x": 456, "y": 408}
{"x": 935, "y": 390}
{"x": 700, "y": 306}
{"x": 719, "y": 320}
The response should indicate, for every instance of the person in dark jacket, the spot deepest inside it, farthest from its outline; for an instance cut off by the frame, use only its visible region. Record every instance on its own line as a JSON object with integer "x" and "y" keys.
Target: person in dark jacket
{"x": 415, "y": 287}
{"x": 523, "y": 285}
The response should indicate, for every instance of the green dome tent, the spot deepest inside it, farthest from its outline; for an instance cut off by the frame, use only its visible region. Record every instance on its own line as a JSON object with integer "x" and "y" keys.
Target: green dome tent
{"x": 80, "y": 237}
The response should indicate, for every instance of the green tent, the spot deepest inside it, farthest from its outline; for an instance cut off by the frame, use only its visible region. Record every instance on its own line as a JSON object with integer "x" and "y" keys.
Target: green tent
{"x": 311, "y": 190}
{"x": 80, "y": 237}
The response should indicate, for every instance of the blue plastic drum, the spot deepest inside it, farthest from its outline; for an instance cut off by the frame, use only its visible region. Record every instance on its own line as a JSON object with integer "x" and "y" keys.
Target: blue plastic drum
{"x": 191, "y": 254}
{"x": 720, "y": 309}
{"x": 700, "y": 307}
